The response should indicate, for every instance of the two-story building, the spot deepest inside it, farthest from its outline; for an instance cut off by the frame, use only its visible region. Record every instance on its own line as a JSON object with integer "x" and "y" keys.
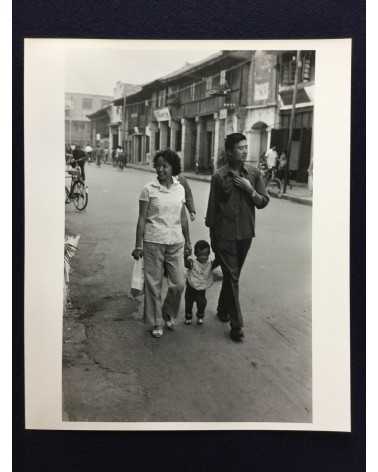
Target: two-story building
{"x": 192, "y": 110}
{"x": 100, "y": 126}
{"x": 107, "y": 123}
{"x": 301, "y": 153}
{"x": 77, "y": 108}
{"x": 117, "y": 132}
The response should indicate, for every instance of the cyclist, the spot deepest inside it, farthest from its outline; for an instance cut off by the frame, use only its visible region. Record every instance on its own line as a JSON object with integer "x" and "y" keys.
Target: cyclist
{"x": 282, "y": 164}
{"x": 79, "y": 158}
{"x": 121, "y": 157}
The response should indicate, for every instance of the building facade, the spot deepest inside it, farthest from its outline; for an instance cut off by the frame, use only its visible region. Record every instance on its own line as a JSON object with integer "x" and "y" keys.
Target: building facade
{"x": 192, "y": 110}
{"x": 100, "y": 127}
{"x": 117, "y": 131}
{"x": 301, "y": 153}
{"x": 270, "y": 105}
{"x": 78, "y": 106}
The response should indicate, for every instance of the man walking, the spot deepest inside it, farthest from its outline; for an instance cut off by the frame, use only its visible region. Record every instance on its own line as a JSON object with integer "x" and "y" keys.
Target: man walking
{"x": 99, "y": 154}
{"x": 235, "y": 192}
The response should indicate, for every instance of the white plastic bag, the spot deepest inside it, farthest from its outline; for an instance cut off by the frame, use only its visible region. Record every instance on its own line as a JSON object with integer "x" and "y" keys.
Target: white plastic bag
{"x": 137, "y": 278}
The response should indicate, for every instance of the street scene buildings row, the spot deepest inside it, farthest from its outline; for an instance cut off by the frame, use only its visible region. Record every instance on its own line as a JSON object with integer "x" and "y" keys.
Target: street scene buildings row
{"x": 192, "y": 109}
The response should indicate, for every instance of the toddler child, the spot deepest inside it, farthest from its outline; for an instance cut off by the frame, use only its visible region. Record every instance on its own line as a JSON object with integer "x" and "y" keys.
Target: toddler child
{"x": 199, "y": 278}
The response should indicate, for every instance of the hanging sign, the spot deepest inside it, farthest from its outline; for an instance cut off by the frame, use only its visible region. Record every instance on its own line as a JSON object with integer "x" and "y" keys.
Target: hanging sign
{"x": 162, "y": 114}
{"x": 223, "y": 113}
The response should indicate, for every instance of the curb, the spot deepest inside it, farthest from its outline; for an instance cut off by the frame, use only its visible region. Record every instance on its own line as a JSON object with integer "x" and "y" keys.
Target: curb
{"x": 300, "y": 200}
{"x": 206, "y": 178}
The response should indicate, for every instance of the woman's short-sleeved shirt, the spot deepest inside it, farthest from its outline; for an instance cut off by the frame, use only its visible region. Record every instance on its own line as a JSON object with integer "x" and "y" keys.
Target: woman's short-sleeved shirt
{"x": 163, "y": 220}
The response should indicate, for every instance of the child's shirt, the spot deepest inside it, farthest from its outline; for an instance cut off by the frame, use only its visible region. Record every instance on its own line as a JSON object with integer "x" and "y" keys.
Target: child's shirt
{"x": 200, "y": 276}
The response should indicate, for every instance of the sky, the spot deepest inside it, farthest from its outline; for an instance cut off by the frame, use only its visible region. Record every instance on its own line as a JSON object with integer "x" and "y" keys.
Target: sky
{"x": 96, "y": 70}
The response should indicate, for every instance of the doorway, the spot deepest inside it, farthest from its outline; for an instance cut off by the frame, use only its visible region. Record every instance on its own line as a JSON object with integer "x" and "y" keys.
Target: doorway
{"x": 115, "y": 140}
{"x": 259, "y": 141}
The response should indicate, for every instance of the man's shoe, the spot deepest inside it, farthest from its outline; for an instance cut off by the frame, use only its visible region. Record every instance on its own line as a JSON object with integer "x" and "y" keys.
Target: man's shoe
{"x": 223, "y": 318}
{"x": 237, "y": 335}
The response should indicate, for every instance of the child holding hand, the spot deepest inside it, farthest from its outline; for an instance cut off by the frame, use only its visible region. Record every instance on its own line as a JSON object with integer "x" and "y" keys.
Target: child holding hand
{"x": 199, "y": 279}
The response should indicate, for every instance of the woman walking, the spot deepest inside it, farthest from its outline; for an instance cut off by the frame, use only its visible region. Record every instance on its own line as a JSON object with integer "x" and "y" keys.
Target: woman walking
{"x": 162, "y": 238}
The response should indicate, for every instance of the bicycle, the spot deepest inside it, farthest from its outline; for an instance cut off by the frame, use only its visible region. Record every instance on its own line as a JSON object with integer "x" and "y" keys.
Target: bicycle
{"x": 121, "y": 161}
{"x": 273, "y": 183}
{"x": 76, "y": 191}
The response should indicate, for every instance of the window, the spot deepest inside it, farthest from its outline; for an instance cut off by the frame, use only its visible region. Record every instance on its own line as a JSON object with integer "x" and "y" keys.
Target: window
{"x": 308, "y": 66}
{"x": 209, "y": 83}
{"x": 161, "y": 98}
{"x": 222, "y": 77}
{"x": 157, "y": 140}
{"x": 87, "y": 103}
{"x": 79, "y": 126}
{"x": 216, "y": 81}
{"x": 288, "y": 69}
{"x": 67, "y": 112}
{"x": 199, "y": 90}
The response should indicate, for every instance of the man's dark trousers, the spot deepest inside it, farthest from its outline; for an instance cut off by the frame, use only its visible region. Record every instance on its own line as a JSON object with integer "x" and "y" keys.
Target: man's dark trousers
{"x": 81, "y": 165}
{"x": 231, "y": 255}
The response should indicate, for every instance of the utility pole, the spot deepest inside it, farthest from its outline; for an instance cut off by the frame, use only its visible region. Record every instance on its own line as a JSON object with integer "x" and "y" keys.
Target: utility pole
{"x": 124, "y": 122}
{"x": 292, "y": 117}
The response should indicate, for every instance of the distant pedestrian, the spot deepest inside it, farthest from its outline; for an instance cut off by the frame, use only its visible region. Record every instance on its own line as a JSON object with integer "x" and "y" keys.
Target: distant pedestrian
{"x": 89, "y": 150}
{"x": 235, "y": 192}
{"x": 162, "y": 239}
{"x": 282, "y": 166}
{"x": 114, "y": 162}
{"x": 199, "y": 279}
{"x": 99, "y": 154}
{"x": 272, "y": 158}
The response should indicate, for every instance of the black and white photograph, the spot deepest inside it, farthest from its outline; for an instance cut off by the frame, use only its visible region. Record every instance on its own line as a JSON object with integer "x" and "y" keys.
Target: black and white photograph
{"x": 188, "y": 218}
{"x": 195, "y": 269}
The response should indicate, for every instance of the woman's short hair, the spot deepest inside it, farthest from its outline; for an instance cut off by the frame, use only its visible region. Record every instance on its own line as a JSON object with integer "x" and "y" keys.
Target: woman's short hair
{"x": 172, "y": 158}
{"x": 233, "y": 139}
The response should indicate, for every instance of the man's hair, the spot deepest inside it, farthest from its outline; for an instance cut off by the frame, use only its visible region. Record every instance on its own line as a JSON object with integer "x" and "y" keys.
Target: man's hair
{"x": 200, "y": 246}
{"x": 233, "y": 139}
{"x": 172, "y": 158}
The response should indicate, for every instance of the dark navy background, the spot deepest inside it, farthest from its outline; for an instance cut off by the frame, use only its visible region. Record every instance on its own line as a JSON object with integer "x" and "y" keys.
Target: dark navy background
{"x": 195, "y": 451}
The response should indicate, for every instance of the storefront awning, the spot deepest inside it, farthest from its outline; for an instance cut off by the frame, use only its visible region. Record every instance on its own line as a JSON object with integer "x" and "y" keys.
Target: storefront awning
{"x": 302, "y": 97}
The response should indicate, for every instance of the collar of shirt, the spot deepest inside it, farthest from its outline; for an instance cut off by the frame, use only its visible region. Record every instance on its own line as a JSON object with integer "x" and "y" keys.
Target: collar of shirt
{"x": 163, "y": 188}
{"x": 227, "y": 168}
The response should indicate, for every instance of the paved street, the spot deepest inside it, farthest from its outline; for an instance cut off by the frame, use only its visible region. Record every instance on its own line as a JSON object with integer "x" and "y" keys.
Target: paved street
{"x": 113, "y": 370}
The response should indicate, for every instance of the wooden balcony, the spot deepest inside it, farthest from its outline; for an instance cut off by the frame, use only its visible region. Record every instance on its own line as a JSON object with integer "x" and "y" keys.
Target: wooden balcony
{"x": 173, "y": 100}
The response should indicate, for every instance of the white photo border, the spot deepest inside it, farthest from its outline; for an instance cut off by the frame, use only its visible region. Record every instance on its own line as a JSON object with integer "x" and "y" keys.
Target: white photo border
{"x": 44, "y": 232}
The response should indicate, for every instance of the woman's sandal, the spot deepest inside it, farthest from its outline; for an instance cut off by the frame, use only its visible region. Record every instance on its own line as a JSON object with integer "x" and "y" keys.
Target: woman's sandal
{"x": 170, "y": 324}
{"x": 157, "y": 332}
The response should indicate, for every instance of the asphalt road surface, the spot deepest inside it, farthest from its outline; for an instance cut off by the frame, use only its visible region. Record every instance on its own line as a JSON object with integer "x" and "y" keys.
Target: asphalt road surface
{"x": 113, "y": 370}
